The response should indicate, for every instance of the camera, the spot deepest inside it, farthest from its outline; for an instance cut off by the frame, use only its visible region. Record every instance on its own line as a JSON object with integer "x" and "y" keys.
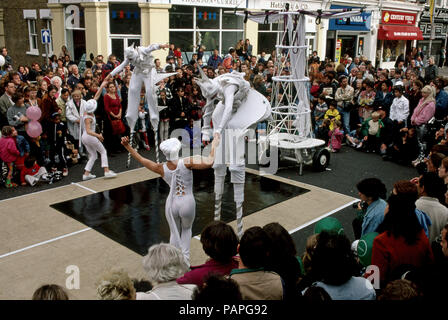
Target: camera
{"x": 362, "y": 204}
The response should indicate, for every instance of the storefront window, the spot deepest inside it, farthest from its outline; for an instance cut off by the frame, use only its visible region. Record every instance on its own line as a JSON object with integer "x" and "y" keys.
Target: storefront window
{"x": 211, "y": 27}
{"x": 232, "y": 21}
{"x": 267, "y": 41}
{"x": 124, "y": 18}
{"x": 181, "y": 17}
{"x": 182, "y": 39}
{"x": 207, "y": 18}
{"x": 229, "y": 39}
{"x": 391, "y": 50}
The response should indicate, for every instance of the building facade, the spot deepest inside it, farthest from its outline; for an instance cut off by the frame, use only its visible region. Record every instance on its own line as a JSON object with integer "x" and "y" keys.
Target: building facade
{"x": 90, "y": 27}
{"x": 440, "y": 31}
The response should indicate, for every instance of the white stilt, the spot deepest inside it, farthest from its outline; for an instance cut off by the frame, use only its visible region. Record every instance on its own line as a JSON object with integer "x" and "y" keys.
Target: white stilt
{"x": 131, "y": 142}
{"x": 156, "y": 143}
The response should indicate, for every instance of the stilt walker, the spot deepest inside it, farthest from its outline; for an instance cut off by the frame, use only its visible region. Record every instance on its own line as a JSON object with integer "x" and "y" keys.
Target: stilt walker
{"x": 144, "y": 73}
{"x": 240, "y": 108}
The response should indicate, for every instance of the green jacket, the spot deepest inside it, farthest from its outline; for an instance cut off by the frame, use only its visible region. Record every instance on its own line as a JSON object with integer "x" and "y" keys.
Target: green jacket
{"x": 365, "y": 128}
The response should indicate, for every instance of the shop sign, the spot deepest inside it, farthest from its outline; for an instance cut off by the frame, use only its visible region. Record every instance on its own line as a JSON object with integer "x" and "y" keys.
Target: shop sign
{"x": 211, "y": 3}
{"x": 440, "y": 30}
{"x": 337, "y": 58}
{"x": 280, "y": 5}
{"x": 440, "y": 15}
{"x": 395, "y": 17}
{"x": 356, "y": 23}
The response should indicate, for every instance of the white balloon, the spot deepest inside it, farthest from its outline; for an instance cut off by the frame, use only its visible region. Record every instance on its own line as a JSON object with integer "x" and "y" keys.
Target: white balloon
{"x": 2, "y": 60}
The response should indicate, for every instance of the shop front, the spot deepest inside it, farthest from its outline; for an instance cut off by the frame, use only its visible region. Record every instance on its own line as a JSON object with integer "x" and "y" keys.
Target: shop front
{"x": 396, "y": 33}
{"x": 440, "y": 32}
{"x": 348, "y": 35}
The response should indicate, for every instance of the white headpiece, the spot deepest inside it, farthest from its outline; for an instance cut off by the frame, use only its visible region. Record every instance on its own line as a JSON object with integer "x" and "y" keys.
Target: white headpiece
{"x": 170, "y": 149}
{"x": 130, "y": 53}
{"x": 91, "y": 106}
{"x": 209, "y": 88}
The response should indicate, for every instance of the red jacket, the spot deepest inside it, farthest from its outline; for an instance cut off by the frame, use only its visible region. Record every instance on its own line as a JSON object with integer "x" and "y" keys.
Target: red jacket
{"x": 28, "y": 171}
{"x": 8, "y": 149}
{"x": 389, "y": 253}
{"x": 198, "y": 273}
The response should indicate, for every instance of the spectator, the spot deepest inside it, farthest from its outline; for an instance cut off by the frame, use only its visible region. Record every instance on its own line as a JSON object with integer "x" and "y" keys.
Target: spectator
{"x": 282, "y": 259}
{"x": 48, "y": 107}
{"x": 180, "y": 110}
{"x": 9, "y": 152}
{"x": 443, "y": 170}
{"x": 399, "y": 110}
{"x": 386, "y": 140}
{"x": 6, "y": 102}
{"x": 115, "y": 285}
{"x": 62, "y": 101}
{"x": 430, "y": 70}
{"x": 336, "y": 135}
{"x": 75, "y": 76}
{"x": 217, "y": 288}
{"x": 422, "y": 114}
{"x": 383, "y": 97}
{"x": 163, "y": 264}
{"x": 170, "y": 63}
{"x": 365, "y": 100}
{"x": 399, "y": 290}
{"x": 371, "y": 191}
{"x": 50, "y": 292}
{"x": 332, "y": 114}
{"x": 371, "y": 133}
{"x": 42, "y": 87}
{"x": 75, "y": 108}
{"x": 215, "y": 60}
{"x": 229, "y": 59}
{"x": 113, "y": 110}
{"x": 414, "y": 97}
{"x": 219, "y": 242}
{"x": 402, "y": 244}
{"x": 441, "y": 100}
{"x": 335, "y": 269}
{"x": 430, "y": 188}
{"x": 8, "y": 59}
{"x": 17, "y": 114}
{"x": 254, "y": 281}
{"x": 344, "y": 97}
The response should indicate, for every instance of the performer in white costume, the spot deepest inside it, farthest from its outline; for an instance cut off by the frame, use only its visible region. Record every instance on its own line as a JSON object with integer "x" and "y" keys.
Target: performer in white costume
{"x": 180, "y": 207}
{"x": 240, "y": 107}
{"x": 144, "y": 73}
{"x": 92, "y": 140}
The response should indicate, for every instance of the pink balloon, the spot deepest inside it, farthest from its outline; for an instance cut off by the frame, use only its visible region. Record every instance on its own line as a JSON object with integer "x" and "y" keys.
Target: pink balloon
{"x": 34, "y": 129}
{"x": 33, "y": 113}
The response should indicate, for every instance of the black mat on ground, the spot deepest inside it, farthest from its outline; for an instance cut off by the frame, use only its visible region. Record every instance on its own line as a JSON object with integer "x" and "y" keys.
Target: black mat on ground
{"x": 134, "y": 215}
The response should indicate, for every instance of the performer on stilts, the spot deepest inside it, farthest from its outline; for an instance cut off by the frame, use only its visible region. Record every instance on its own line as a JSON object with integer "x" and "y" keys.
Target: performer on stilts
{"x": 144, "y": 73}
{"x": 180, "y": 207}
{"x": 240, "y": 108}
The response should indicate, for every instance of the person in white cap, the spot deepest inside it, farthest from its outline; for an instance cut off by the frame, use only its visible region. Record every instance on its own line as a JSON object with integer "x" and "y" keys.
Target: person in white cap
{"x": 180, "y": 207}
{"x": 92, "y": 140}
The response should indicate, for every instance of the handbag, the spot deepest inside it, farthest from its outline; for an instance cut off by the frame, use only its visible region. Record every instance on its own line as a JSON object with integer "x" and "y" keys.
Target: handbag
{"x": 117, "y": 127}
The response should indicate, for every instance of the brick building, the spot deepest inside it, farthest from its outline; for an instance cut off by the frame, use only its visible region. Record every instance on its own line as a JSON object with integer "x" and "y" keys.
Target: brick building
{"x": 20, "y": 25}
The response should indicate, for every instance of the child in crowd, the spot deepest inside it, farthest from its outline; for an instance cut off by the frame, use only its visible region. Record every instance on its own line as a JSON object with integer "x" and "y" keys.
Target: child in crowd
{"x": 314, "y": 91}
{"x": 370, "y": 131}
{"x": 9, "y": 152}
{"x": 332, "y": 114}
{"x": 24, "y": 149}
{"x": 56, "y": 139}
{"x": 142, "y": 115}
{"x": 323, "y": 129}
{"x": 336, "y": 136}
{"x": 32, "y": 172}
{"x": 320, "y": 110}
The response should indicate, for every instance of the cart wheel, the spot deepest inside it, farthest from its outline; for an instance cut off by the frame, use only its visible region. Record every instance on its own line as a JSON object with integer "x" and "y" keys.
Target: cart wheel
{"x": 321, "y": 160}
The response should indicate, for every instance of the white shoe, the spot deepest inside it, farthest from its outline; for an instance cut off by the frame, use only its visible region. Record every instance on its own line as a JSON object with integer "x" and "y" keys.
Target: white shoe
{"x": 110, "y": 174}
{"x": 88, "y": 177}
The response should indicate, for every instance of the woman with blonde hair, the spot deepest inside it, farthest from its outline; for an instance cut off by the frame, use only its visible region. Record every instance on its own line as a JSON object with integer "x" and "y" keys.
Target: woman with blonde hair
{"x": 115, "y": 285}
{"x": 424, "y": 111}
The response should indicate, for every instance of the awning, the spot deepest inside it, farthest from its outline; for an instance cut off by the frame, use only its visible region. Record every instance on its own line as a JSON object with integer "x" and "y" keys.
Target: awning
{"x": 399, "y": 33}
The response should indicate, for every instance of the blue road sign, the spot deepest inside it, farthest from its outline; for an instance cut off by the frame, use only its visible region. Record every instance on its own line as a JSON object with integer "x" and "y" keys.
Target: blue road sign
{"x": 46, "y": 36}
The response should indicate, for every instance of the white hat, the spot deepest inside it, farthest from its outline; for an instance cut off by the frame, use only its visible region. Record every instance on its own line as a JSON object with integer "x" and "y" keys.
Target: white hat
{"x": 91, "y": 106}
{"x": 170, "y": 149}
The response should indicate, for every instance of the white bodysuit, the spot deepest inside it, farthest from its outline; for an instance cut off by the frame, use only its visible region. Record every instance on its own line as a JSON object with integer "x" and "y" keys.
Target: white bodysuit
{"x": 180, "y": 206}
{"x": 93, "y": 145}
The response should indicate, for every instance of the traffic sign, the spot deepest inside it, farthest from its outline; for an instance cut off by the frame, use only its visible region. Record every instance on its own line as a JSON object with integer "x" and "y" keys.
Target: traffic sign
{"x": 46, "y": 36}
